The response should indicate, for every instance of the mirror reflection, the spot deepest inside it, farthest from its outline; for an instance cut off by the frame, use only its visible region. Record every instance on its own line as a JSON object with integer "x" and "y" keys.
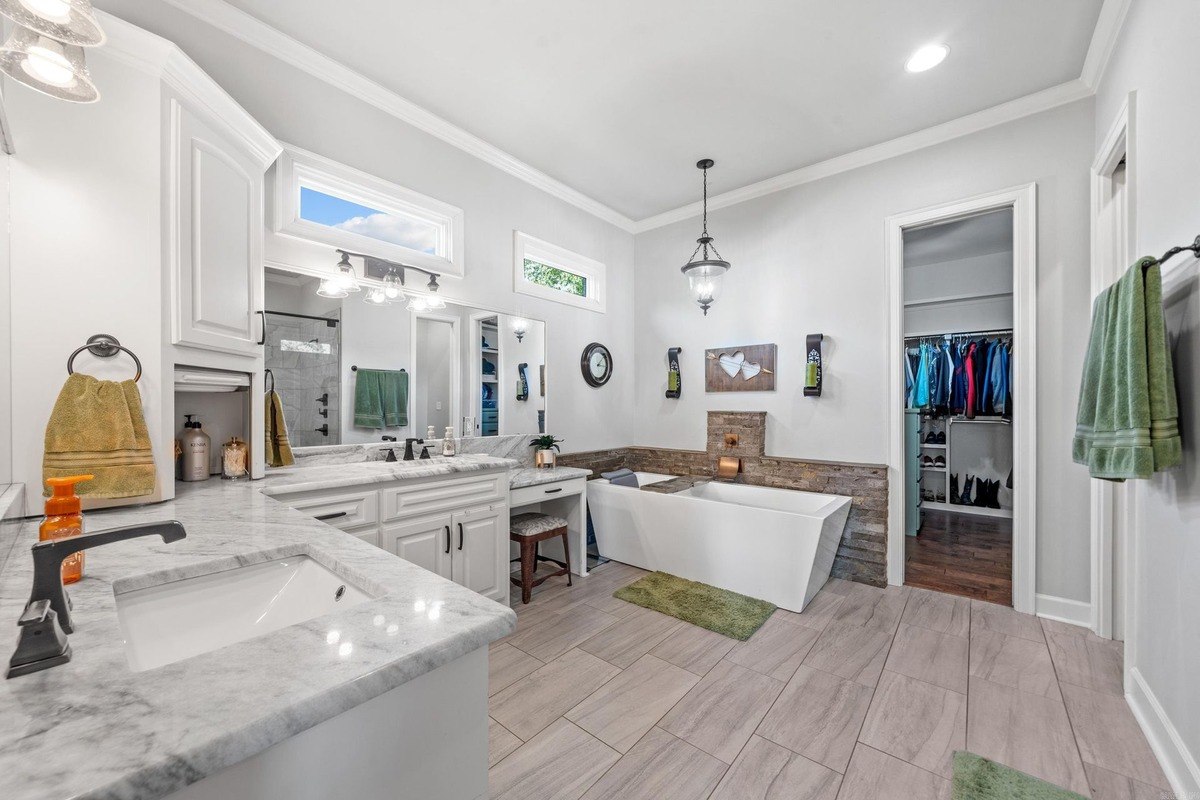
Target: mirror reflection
{"x": 352, "y": 371}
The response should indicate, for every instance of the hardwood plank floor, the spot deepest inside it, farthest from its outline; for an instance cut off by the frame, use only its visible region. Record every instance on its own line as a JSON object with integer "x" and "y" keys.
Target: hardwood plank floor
{"x": 962, "y": 554}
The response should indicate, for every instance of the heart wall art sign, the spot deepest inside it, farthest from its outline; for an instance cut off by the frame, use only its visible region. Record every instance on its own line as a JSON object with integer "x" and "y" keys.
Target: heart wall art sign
{"x": 744, "y": 368}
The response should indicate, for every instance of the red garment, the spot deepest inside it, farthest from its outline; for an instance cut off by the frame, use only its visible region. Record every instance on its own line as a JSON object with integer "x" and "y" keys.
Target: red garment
{"x": 970, "y": 368}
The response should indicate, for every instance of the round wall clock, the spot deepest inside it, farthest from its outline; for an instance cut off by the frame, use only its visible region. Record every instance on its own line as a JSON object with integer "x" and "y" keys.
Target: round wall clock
{"x": 596, "y": 364}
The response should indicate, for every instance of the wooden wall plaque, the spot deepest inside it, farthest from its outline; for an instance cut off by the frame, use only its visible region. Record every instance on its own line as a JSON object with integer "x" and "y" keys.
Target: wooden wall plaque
{"x": 744, "y": 368}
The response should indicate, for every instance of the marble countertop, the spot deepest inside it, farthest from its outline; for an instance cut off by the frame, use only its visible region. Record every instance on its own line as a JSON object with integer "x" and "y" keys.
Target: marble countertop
{"x": 92, "y": 728}
{"x": 533, "y": 476}
{"x": 332, "y": 476}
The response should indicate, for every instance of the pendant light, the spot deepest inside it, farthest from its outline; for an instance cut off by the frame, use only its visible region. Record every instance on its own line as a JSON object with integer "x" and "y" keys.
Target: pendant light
{"x": 704, "y": 273}
{"x": 345, "y": 279}
{"x": 48, "y": 66}
{"x": 69, "y": 21}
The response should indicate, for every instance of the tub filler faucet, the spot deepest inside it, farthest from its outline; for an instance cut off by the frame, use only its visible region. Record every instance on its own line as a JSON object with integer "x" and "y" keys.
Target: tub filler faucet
{"x": 47, "y": 616}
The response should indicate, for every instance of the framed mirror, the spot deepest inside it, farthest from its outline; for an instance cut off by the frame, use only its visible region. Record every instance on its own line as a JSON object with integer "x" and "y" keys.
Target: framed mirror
{"x": 479, "y": 371}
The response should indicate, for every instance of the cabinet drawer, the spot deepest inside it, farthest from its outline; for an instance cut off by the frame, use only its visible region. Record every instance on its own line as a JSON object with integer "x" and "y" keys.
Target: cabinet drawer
{"x": 528, "y": 495}
{"x": 440, "y": 494}
{"x": 344, "y": 511}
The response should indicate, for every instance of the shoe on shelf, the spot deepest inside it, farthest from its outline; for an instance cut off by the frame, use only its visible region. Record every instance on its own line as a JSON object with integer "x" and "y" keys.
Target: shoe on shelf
{"x": 954, "y": 489}
{"x": 927, "y": 461}
{"x": 965, "y": 498}
{"x": 931, "y": 438}
{"x": 941, "y": 497}
{"x": 994, "y": 495}
{"x": 940, "y": 461}
{"x": 927, "y": 494}
{"x": 941, "y": 437}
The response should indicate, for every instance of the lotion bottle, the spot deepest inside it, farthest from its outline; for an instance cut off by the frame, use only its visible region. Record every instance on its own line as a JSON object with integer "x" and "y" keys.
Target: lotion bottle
{"x": 448, "y": 443}
{"x": 63, "y": 520}
{"x": 194, "y": 463}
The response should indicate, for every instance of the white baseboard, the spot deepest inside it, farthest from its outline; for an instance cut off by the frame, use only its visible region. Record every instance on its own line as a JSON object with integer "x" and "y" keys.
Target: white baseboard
{"x": 1061, "y": 609}
{"x": 1178, "y": 764}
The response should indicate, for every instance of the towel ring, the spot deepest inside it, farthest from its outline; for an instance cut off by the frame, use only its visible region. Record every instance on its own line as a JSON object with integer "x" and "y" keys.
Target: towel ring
{"x": 104, "y": 346}
{"x": 268, "y": 374}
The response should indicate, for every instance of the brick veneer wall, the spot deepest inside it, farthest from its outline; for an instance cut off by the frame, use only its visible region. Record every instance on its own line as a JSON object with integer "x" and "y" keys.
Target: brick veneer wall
{"x": 862, "y": 554}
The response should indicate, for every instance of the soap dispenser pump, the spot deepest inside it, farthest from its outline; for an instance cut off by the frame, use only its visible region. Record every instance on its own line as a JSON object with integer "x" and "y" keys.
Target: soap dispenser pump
{"x": 195, "y": 443}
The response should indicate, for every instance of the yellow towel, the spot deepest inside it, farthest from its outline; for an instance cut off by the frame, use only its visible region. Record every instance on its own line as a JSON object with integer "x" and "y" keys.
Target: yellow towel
{"x": 97, "y": 427}
{"x": 279, "y": 449}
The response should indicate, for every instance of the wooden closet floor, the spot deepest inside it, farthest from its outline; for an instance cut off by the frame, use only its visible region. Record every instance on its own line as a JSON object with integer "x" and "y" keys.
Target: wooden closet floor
{"x": 962, "y": 554}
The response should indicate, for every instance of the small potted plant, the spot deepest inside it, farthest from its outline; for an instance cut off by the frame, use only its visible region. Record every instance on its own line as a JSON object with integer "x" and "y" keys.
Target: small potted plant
{"x": 546, "y": 445}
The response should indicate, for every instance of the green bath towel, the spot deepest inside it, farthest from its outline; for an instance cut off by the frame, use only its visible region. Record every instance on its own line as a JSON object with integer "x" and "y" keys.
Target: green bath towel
{"x": 1128, "y": 420}
{"x": 381, "y": 398}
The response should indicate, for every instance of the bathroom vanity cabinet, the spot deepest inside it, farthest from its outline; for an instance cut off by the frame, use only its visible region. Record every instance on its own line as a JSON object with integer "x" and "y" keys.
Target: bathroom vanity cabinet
{"x": 455, "y": 526}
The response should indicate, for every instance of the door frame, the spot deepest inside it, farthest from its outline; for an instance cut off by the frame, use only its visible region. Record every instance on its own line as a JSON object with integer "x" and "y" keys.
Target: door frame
{"x": 455, "y": 372}
{"x": 1022, "y": 200}
{"x": 1113, "y": 507}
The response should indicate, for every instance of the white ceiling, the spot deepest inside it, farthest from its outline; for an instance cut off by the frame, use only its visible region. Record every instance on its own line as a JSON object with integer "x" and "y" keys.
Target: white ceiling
{"x": 618, "y": 99}
{"x": 965, "y": 238}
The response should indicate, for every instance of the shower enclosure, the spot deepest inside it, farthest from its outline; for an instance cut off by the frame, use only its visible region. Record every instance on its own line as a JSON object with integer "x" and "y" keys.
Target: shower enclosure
{"x": 303, "y": 354}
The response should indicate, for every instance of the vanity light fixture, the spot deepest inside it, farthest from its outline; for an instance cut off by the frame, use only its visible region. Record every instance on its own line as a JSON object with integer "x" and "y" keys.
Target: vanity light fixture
{"x": 345, "y": 278}
{"x": 330, "y": 288}
{"x": 69, "y": 21}
{"x": 375, "y": 296}
{"x": 432, "y": 301}
{"x": 48, "y": 66}
{"x": 704, "y": 273}
{"x": 520, "y": 327}
{"x": 927, "y": 58}
{"x": 393, "y": 286}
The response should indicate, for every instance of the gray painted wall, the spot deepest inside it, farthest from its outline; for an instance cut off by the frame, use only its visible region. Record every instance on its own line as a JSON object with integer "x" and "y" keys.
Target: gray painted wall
{"x": 811, "y": 259}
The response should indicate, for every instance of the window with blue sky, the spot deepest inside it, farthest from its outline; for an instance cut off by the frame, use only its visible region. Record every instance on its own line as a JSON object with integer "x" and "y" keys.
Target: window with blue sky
{"x": 326, "y": 209}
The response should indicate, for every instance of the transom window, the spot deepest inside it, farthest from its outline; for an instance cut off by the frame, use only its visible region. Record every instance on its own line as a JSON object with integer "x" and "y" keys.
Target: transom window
{"x": 330, "y": 203}
{"x": 554, "y": 273}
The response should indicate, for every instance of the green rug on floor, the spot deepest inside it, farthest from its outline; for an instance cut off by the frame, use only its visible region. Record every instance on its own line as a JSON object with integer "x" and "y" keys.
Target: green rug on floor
{"x": 734, "y": 615}
{"x": 977, "y": 778}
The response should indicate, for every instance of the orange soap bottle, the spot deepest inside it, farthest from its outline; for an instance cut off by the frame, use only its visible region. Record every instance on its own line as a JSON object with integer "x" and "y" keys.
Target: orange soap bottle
{"x": 64, "y": 519}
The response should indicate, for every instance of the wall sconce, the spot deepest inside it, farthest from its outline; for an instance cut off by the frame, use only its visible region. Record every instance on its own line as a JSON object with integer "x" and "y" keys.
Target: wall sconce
{"x": 45, "y": 49}
{"x": 520, "y": 327}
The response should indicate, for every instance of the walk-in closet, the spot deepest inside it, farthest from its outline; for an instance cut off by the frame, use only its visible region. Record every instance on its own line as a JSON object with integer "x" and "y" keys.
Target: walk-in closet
{"x": 958, "y": 390}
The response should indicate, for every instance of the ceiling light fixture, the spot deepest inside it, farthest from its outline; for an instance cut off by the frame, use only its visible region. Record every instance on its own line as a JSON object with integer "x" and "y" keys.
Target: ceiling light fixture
{"x": 69, "y": 21}
{"x": 927, "y": 57}
{"x": 704, "y": 273}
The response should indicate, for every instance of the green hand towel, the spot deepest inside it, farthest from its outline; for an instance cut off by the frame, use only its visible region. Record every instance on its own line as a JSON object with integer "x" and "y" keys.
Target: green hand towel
{"x": 380, "y": 399}
{"x": 1128, "y": 420}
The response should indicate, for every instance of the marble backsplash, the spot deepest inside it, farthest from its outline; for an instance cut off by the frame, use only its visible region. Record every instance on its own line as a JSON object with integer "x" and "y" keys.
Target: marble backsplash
{"x": 515, "y": 447}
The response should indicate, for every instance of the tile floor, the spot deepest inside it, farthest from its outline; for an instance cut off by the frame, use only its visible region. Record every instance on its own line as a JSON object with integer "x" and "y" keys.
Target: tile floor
{"x": 864, "y": 696}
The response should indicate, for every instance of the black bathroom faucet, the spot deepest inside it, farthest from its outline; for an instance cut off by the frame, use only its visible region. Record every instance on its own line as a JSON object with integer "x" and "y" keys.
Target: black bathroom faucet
{"x": 47, "y": 615}
{"x": 408, "y": 448}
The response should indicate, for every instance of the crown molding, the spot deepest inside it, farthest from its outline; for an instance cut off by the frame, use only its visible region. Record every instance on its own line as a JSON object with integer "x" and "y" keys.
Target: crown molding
{"x": 258, "y": 34}
{"x": 156, "y": 56}
{"x": 1104, "y": 41}
{"x": 1055, "y": 96}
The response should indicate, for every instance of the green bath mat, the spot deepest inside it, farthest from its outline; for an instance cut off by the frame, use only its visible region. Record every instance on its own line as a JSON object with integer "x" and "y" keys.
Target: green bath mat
{"x": 734, "y": 615}
{"x": 977, "y": 778}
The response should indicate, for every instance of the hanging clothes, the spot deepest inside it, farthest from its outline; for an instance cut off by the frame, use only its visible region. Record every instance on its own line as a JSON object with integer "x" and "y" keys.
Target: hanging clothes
{"x": 921, "y": 396}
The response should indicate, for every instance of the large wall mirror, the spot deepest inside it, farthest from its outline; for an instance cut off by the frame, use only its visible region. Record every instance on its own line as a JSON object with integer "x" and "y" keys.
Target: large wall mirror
{"x": 349, "y": 371}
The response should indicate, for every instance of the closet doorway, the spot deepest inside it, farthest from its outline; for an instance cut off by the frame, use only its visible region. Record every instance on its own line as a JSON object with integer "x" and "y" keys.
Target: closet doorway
{"x": 960, "y": 519}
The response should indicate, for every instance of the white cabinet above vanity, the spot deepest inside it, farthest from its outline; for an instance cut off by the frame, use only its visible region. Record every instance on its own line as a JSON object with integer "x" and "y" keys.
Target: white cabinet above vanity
{"x": 454, "y": 525}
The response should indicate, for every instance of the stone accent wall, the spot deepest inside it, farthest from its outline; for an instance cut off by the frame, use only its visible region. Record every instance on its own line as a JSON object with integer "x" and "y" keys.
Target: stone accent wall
{"x": 862, "y": 554}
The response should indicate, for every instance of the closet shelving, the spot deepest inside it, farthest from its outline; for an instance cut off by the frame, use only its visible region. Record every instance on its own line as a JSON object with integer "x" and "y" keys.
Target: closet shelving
{"x": 489, "y": 408}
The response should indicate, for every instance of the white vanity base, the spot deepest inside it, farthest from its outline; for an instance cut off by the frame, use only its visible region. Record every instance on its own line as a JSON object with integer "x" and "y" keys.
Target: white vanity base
{"x": 425, "y": 739}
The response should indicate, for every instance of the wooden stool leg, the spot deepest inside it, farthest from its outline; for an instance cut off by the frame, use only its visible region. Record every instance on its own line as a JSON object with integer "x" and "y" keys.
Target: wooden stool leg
{"x": 567, "y": 556}
{"x": 528, "y": 566}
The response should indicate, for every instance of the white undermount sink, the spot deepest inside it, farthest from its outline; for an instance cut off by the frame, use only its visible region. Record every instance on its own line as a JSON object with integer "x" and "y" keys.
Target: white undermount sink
{"x": 173, "y": 621}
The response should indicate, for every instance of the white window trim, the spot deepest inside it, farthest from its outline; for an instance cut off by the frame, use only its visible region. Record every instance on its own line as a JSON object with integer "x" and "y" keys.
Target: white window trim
{"x": 526, "y": 246}
{"x": 299, "y": 167}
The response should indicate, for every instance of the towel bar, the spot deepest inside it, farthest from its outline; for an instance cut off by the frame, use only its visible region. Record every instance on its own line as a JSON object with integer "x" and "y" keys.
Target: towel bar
{"x": 104, "y": 346}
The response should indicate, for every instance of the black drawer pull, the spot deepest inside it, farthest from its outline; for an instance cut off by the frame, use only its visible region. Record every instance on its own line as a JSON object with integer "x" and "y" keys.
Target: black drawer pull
{"x": 447, "y": 539}
{"x": 335, "y": 515}
{"x": 460, "y": 536}
{"x": 553, "y": 491}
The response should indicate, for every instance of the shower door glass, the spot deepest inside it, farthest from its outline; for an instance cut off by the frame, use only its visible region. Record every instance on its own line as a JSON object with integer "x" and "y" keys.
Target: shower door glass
{"x": 304, "y": 355}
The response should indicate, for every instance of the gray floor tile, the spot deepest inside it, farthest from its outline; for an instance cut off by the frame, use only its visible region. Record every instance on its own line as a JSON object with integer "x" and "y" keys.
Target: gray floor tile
{"x": 1088, "y": 661}
{"x": 501, "y": 742}
{"x": 1054, "y": 626}
{"x": 560, "y": 763}
{"x": 1108, "y": 785}
{"x": 1002, "y": 619}
{"x": 1024, "y": 731}
{"x": 775, "y": 649}
{"x": 631, "y": 637}
{"x": 533, "y": 702}
{"x": 877, "y": 776}
{"x": 1109, "y": 735}
{"x": 659, "y": 767}
{"x": 721, "y": 712}
{"x": 766, "y": 771}
{"x": 872, "y": 607}
{"x": 944, "y": 613}
{"x": 851, "y": 650}
{"x": 925, "y": 654}
{"x": 917, "y": 722}
{"x": 1014, "y": 662}
{"x": 549, "y": 638}
{"x": 621, "y": 711}
{"x": 507, "y": 665}
{"x": 818, "y": 716}
{"x": 819, "y": 611}
{"x": 694, "y": 648}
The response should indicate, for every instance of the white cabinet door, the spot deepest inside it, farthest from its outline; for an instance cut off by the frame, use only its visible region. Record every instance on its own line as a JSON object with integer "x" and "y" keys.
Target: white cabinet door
{"x": 481, "y": 551}
{"x": 425, "y": 542}
{"x": 216, "y": 194}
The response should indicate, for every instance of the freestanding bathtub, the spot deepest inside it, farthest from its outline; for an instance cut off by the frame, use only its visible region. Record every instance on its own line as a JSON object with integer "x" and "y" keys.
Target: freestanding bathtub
{"x": 773, "y": 544}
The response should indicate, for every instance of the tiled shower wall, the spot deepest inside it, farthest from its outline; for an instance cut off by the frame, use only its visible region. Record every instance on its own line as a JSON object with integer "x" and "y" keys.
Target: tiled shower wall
{"x": 303, "y": 373}
{"x": 862, "y": 554}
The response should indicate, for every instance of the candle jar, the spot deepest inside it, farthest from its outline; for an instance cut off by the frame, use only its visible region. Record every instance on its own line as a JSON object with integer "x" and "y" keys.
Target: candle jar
{"x": 235, "y": 460}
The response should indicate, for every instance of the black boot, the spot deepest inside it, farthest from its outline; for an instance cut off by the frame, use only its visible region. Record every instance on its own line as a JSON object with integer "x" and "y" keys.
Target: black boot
{"x": 965, "y": 497}
{"x": 994, "y": 495}
{"x": 954, "y": 489}
{"x": 1008, "y": 482}
{"x": 982, "y": 487}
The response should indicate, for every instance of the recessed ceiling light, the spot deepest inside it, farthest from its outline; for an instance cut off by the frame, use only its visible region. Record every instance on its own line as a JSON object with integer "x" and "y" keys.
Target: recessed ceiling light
{"x": 927, "y": 57}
